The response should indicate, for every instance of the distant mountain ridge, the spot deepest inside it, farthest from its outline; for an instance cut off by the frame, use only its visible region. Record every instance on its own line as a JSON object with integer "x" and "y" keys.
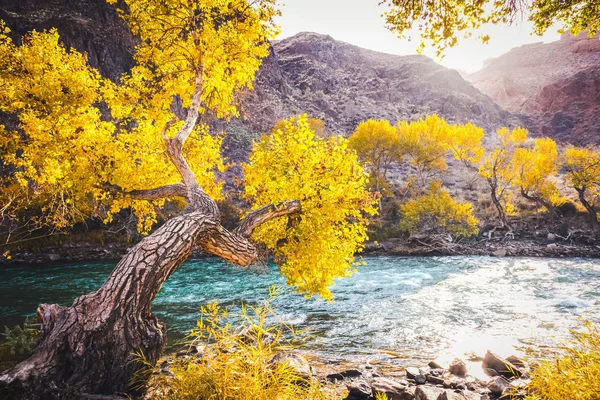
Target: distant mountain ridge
{"x": 335, "y": 81}
{"x": 556, "y": 86}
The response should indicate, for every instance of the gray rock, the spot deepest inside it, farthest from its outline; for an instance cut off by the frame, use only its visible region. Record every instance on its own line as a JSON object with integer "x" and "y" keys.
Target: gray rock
{"x": 412, "y": 372}
{"x": 498, "y": 385}
{"x": 428, "y": 393}
{"x": 458, "y": 367}
{"x": 435, "y": 380}
{"x": 500, "y": 365}
{"x": 462, "y": 395}
{"x": 392, "y": 389}
{"x": 359, "y": 390}
{"x": 53, "y": 257}
{"x": 500, "y": 252}
{"x": 420, "y": 379}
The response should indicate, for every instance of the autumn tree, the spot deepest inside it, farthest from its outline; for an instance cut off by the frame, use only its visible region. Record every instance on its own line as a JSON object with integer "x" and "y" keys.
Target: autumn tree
{"x": 435, "y": 211}
{"x": 425, "y": 144}
{"x": 582, "y": 166}
{"x": 193, "y": 57}
{"x": 535, "y": 171}
{"x": 497, "y": 170}
{"x": 378, "y": 146}
{"x": 442, "y": 23}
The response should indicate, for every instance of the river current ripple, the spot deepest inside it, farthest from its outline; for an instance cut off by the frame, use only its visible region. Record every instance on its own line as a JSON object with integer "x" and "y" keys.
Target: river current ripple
{"x": 395, "y": 311}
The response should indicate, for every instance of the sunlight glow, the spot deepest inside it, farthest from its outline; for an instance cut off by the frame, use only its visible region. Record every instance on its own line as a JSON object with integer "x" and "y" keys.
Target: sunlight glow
{"x": 359, "y": 22}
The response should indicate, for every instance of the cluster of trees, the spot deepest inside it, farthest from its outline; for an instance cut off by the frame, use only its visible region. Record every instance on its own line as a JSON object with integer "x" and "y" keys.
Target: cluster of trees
{"x": 78, "y": 146}
{"x": 531, "y": 168}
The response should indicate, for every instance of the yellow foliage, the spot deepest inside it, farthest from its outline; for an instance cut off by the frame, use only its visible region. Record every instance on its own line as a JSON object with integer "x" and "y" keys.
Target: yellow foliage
{"x": 236, "y": 361}
{"x": 583, "y": 168}
{"x": 65, "y": 146}
{"x": 378, "y": 146}
{"x": 425, "y": 143}
{"x": 535, "y": 170}
{"x": 66, "y": 156}
{"x": 293, "y": 163}
{"x": 436, "y": 209}
{"x": 465, "y": 143}
{"x": 496, "y": 166}
{"x": 441, "y": 23}
{"x": 574, "y": 375}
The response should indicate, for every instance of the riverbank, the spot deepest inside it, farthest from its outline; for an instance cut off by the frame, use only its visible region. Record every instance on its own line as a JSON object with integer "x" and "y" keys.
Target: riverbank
{"x": 551, "y": 246}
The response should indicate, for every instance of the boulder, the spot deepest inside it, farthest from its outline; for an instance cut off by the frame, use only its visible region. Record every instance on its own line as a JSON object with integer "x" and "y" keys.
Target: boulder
{"x": 53, "y": 257}
{"x": 498, "y": 385}
{"x": 458, "y": 367}
{"x": 434, "y": 365}
{"x": 461, "y": 395}
{"x": 428, "y": 393}
{"x": 435, "y": 380}
{"x": 420, "y": 379}
{"x": 412, "y": 372}
{"x": 296, "y": 362}
{"x": 340, "y": 376}
{"x": 502, "y": 252}
{"x": 500, "y": 365}
{"x": 359, "y": 390}
{"x": 392, "y": 389}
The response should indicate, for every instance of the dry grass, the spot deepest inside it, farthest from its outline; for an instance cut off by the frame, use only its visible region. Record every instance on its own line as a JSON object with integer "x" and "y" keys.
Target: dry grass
{"x": 575, "y": 375}
{"x": 235, "y": 361}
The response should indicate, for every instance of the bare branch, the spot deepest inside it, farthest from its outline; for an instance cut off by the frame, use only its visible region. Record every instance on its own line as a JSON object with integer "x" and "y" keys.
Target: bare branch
{"x": 265, "y": 214}
{"x": 176, "y": 190}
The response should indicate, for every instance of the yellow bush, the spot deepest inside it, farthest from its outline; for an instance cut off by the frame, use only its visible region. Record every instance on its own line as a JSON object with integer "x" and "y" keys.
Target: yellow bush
{"x": 235, "y": 361}
{"x": 436, "y": 210}
{"x": 573, "y": 376}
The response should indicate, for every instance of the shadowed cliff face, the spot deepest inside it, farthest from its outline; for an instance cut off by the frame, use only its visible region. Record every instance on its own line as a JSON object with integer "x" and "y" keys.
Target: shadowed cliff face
{"x": 556, "y": 85}
{"x": 91, "y": 26}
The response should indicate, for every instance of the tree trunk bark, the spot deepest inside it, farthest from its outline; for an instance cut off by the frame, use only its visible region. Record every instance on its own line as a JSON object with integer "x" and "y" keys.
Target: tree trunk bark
{"x": 590, "y": 209}
{"x": 90, "y": 347}
{"x": 498, "y": 205}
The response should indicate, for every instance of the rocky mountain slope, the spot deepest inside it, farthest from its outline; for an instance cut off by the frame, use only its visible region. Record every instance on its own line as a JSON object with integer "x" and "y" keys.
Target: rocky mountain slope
{"x": 344, "y": 85}
{"x": 337, "y": 82}
{"x": 555, "y": 85}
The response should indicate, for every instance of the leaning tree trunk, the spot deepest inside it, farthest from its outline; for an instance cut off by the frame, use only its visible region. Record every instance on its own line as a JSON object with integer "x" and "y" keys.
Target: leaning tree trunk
{"x": 90, "y": 347}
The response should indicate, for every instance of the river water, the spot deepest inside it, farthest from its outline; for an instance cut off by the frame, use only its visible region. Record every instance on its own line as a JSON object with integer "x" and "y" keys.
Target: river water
{"x": 395, "y": 311}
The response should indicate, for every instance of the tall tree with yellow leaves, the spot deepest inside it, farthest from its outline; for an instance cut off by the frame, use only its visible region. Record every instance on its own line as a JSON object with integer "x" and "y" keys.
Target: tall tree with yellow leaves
{"x": 535, "y": 169}
{"x": 497, "y": 170}
{"x": 193, "y": 57}
{"x": 583, "y": 174}
{"x": 378, "y": 146}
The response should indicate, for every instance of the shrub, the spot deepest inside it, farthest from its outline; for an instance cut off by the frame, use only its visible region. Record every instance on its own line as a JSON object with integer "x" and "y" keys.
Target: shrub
{"x": 575, "y": 375}
{"x": 236, "y": 360}
{"x": 436, "y": 211}
{"x": 19, "y": 341}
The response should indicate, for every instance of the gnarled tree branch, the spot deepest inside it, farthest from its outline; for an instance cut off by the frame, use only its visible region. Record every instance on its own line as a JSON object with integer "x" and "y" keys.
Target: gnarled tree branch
{"x": 264, "y": 214}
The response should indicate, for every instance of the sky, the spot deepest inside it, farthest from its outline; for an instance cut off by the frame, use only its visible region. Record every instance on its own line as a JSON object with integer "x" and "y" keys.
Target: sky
{"x": 359, "y": 22}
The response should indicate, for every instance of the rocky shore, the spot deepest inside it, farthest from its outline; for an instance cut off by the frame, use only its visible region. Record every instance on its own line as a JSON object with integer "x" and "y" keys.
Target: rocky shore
{"x": 505, "y": 379}
{"x": 550, "y": 246}
{"x": 498, "y": 378}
